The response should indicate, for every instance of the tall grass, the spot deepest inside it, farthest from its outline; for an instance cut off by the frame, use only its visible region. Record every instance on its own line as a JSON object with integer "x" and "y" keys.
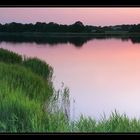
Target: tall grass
{"x": 18, "y": 76}
{"x": 36, "y": 65}
{"x": 18, "y": 113}
{"x": 29, "y": 74}
{"x": 9, "y": 57}
{"x": 59, "y": 102}
{"x": 39, "y": 67}
{"x": 115, "y": 123}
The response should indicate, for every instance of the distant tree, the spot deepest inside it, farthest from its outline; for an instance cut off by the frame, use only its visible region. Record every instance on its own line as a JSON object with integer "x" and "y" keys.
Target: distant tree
{"x": 77, "y": 27}
{"x": 79, "y": 23}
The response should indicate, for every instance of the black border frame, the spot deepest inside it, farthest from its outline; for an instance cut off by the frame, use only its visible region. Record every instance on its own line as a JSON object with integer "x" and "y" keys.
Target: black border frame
{"x": 69, "y": 3}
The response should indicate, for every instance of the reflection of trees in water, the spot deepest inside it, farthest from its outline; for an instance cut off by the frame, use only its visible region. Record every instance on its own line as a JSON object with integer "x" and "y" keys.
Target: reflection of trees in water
{"x": 75, "y": 40}
{"x": 135, "y": 39}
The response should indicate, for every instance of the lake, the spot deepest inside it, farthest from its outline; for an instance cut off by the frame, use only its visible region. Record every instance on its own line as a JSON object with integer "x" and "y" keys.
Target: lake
{"x": 102, "y": 74}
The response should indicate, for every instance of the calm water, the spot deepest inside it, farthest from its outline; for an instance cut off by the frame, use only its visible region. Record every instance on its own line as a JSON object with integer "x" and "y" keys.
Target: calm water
{"x": 102, "y": 74}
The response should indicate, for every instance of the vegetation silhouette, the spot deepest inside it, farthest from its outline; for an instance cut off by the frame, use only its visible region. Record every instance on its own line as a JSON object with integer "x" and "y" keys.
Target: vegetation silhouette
{"x": 77, "y": 27}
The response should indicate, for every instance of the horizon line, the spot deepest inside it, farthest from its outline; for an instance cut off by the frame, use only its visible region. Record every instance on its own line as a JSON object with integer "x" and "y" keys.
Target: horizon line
{"x": 69, "y": 24}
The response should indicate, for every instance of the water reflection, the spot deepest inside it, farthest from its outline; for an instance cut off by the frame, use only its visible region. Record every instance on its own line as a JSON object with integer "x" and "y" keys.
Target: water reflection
{"x": 77, "y": 41}
{"x": 135, "y": 40}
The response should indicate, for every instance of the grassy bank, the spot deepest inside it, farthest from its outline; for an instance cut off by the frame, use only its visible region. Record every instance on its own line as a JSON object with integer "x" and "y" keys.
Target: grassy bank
{"x": 26, "y": 91}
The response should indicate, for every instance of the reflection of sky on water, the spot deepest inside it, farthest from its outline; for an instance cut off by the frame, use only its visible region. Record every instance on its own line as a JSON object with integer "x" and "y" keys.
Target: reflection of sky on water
{"x": 103, "y": 75}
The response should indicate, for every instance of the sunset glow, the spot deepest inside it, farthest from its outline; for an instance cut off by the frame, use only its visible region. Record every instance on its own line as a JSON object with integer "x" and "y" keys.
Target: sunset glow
{"x": 89, "y": 16}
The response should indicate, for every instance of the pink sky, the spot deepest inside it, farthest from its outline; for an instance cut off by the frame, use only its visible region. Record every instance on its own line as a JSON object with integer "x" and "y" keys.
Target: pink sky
{"x": 90, "y": 16}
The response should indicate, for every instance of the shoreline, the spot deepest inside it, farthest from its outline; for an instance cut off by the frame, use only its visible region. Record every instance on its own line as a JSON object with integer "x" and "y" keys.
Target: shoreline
{"x": 56, "y": 34}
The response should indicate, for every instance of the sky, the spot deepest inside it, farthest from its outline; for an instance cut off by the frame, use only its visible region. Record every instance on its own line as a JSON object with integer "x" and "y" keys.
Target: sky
{"x": 89, "y": 16}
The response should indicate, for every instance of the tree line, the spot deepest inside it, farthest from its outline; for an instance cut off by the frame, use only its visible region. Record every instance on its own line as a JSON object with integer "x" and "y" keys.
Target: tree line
{"x": 77, "y": 27}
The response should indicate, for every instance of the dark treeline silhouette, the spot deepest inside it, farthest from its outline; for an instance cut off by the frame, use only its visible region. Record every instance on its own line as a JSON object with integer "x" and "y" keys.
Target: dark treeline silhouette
{"x": 44, "y": 27}
{"x": 77, "y": 27}
{"x": 76, "y": 34}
